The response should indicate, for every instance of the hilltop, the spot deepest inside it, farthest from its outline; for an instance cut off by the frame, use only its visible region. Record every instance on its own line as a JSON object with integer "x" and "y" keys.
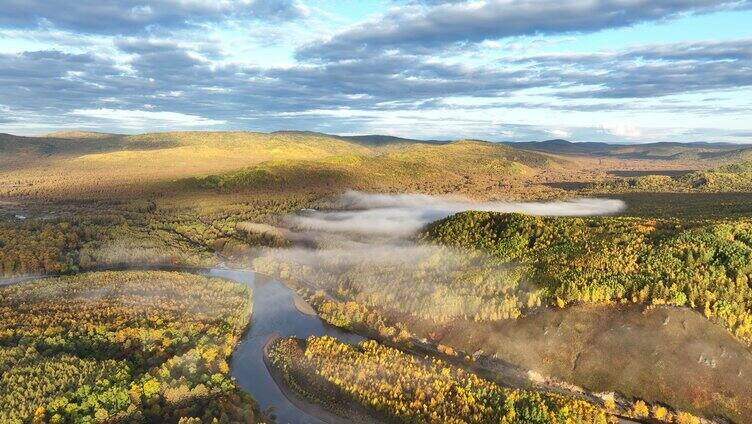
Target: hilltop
{"x": 81, "y": 135}
{"x": 79, "y": 142}
{"x": 388, "y": 140}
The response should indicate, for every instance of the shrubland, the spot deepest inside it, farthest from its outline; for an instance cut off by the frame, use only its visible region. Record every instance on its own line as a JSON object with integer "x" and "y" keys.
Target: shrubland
{"x": 122, "y": 347}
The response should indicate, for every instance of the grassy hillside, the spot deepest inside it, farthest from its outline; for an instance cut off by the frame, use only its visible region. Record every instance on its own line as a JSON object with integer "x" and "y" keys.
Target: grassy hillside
{"x": 77, "y": 135}
{"x": 460, "y": 154}
{"x": 742, "y": 154}
{"x": 290, "y": 144}
{"x": 20, "y": 151}
{"x": 85, "y": 165}
{"x": 461, "y": 166}
{"x": 105, "y": 165}
{"x": 95, "y": 165}
{"x": 82, "y": 142}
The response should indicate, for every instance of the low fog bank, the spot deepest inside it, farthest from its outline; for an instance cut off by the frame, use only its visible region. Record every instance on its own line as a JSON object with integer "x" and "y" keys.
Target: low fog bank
{"x": 404, "y": 214}
{"x": 363, "y": 249}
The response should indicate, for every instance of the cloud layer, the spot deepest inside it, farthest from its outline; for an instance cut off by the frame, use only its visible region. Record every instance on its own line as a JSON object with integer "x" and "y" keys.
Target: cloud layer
{"x": 432, "y": 69}
{"x": 424, "y": 25}
{"x": 136, "y": 16}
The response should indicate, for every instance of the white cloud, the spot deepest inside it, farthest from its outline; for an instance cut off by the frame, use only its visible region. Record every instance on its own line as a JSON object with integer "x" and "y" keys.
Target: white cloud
{"x": 244, "y": 72}
{"x": 622, "y": 130}
{"x": 491, "y": 44}
{"x": 559, "y": 133}
{"x": 146, "y": 119}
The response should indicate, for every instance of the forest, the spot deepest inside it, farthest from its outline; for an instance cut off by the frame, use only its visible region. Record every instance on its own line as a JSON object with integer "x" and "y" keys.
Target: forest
{"x": 409, "y": 389}
{"x": 122, "y": 347}
{"x": 705, "y": 266}
{"x": 375, "y": 212}
{"x": 483, "y": 282}
{"x": 734, "y": 177}
{"x": 192, "y": 232}
{"x": 522, "y": 262}
{"x": 684, "y": 241}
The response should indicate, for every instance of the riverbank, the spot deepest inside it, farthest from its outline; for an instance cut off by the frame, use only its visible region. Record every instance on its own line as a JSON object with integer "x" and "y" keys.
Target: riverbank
{"x": 493, "y": 367}
{"x": 304, "y": 307}
{"x": 351, "y": 413}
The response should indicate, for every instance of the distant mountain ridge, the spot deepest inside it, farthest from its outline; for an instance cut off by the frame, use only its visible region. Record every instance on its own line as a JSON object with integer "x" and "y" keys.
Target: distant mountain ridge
{"x": 80, "y": 135}
{"x": 307, "y": 143}
{"x": 655, "y": 151}
{"x": 382, "y": 140}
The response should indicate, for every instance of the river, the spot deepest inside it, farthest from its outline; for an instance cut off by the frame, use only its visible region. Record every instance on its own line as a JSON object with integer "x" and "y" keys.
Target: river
{"x": 274, "y": 313}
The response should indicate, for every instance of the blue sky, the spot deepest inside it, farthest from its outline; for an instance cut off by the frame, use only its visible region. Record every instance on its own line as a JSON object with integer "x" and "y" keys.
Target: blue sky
{"x": 586, "y": 70}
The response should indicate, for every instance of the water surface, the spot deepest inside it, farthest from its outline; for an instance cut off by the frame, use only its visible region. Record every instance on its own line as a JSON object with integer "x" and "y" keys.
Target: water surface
{"x": 274, "y": 312}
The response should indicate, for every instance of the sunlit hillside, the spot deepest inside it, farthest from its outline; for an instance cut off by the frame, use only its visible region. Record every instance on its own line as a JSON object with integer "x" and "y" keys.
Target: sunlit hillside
{"x": 96, "y": 165}
{"x": 462, "y": 166}
{"x": 46, "y": 166}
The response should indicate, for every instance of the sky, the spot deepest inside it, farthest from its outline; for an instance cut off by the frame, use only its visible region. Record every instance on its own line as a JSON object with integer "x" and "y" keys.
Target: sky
{"x": 631, "y": 71}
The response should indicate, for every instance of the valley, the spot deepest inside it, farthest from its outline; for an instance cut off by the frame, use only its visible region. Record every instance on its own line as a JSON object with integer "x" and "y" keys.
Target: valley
{"x": 363, "y": 212}
{"x": 491, "y": 261}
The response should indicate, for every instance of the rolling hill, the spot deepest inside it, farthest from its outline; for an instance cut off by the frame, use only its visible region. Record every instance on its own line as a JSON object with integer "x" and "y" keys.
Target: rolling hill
{"x": 457, "y": 166}
{"x": 96, "y": 164}
{"x": 90, "y": 164}
{"x": 16, "y": 149}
